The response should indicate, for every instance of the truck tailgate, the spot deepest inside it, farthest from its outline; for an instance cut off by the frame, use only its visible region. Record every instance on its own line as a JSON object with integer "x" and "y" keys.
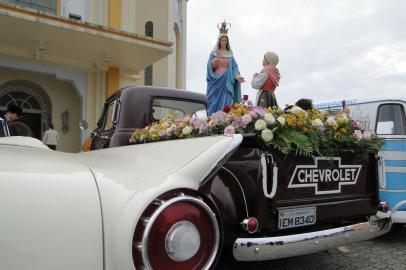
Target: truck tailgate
{"x": 327, "y": 188}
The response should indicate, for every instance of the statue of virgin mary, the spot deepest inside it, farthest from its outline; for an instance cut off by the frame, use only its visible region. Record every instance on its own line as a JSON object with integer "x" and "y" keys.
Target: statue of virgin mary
{"x": 223, "y": 77}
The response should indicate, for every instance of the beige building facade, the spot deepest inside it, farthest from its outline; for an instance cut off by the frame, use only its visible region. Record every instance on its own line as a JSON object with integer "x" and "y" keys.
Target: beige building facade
{"x": 60, "y": 59}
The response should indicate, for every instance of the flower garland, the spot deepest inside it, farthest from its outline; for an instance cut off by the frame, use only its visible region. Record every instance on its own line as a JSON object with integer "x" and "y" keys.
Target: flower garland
{"x": 310, "y": 132}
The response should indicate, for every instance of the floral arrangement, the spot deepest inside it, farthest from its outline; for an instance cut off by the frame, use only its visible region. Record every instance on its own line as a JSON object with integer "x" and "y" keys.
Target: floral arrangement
{"x": 306, "y": 133}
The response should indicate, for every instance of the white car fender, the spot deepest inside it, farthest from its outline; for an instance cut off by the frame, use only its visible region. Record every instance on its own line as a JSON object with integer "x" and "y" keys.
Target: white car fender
{"x": 130, "y": 178}
{"x": 50, "y": 209}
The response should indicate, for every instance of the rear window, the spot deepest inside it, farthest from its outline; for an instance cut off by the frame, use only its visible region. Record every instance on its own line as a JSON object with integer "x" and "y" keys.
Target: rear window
{"x": 177, "y": 108}
{"x": 391, "y": 120}
{"x": 3, "y": 128}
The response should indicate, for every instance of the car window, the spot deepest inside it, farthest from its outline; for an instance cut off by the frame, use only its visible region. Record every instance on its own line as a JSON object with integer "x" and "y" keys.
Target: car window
{"x": 3, "y": 128}
{"x": 391, "y": 120}
{"x": 176, "y": 108}
{"x": 105, "y": 122}
{"x": 109, "y": 116}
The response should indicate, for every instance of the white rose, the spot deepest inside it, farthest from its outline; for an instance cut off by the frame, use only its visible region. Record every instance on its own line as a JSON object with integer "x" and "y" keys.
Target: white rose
{"x": 267, "y": 135}
{"x": 317, "y": 123}
{"x": 260, "y": 124}
{"x": 187, "y": 130}
{"x": 269, "y": 118}
{"x": 296, "y": 110}
{"x": 281, "y": 120}
{"x": 331, "y": 121}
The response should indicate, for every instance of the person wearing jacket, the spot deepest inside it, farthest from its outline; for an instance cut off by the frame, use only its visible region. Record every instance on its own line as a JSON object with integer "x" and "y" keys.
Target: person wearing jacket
{"x": 51, "y": 137}
{"x": 16, "y": 125}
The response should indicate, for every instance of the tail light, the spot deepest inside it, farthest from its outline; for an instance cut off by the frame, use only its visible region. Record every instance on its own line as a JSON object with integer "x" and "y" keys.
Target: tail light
{"x": 250, "y": 224}
{"x": 383, "y": 207}
{"x": 180, "y": 232}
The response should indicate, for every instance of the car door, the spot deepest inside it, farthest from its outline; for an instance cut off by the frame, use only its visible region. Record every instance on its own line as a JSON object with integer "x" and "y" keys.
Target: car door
{"x": 105, "y": 127}
{"x": 391, "y": 126}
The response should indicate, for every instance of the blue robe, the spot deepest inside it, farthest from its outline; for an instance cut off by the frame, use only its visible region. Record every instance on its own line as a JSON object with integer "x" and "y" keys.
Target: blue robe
{"x": 222, "y": 90}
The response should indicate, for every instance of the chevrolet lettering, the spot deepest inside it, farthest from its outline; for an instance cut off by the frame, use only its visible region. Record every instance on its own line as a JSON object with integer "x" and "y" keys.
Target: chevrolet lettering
{"x": 327, "y": 175}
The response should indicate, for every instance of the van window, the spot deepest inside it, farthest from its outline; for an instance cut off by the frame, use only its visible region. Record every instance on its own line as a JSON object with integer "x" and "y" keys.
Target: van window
{"x": 391, "y": 120}
{"x": 165, "y": 107}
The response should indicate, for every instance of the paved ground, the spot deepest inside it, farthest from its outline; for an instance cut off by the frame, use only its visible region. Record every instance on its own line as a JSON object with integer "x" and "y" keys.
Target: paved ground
{"x": 386, "y": 252}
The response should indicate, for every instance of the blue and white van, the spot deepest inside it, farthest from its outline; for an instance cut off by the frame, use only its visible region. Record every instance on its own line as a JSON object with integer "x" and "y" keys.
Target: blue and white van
{"x": 386, "y": 117}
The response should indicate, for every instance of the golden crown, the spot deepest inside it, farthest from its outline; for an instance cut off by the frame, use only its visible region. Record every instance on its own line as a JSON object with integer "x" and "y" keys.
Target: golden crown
{"x": 223, "y": 27}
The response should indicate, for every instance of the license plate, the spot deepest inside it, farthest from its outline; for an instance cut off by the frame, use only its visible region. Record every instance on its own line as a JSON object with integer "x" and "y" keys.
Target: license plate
{"x": 296, "y": 217}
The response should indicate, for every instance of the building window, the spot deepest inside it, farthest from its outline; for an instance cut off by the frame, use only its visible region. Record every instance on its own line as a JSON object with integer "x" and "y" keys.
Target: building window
{"x": 149, "y": 29}
{"x": 177, "y": 56}
{"x": 148, "y": 72}
{"x": 48, "y": 6}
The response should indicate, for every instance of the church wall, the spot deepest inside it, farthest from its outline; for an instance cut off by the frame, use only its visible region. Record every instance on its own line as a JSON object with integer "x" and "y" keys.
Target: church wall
{"x": 156, "y": 12}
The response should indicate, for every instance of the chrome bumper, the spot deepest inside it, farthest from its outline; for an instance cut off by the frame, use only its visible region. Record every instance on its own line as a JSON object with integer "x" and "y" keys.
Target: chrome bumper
{"x": 269, "y": 248}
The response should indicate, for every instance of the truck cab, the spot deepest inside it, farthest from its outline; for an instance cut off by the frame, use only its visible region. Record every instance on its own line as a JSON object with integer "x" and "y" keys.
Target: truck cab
{"x": 386, "y": 117}
{"x": 135, "y": 107}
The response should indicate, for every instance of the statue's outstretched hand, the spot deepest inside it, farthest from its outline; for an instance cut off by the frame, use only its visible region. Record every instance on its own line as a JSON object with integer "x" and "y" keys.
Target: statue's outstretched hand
{"x": 240, "y": 78}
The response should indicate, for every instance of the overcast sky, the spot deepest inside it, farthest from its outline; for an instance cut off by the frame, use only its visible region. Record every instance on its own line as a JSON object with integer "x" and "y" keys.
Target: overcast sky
{"x": 327, "y": 49}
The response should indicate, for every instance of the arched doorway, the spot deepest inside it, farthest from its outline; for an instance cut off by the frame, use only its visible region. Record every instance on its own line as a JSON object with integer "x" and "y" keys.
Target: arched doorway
{"x": 34, "y": 101}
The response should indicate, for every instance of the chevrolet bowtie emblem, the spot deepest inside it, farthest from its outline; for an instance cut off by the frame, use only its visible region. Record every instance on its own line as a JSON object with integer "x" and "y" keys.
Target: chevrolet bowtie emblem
{"x": 327, "y": 175}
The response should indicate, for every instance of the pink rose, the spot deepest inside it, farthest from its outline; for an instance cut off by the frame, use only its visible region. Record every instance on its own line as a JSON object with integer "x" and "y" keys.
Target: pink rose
{"x": 229, "y": 130}
{"x": 357, "y": 124}
{"x": 357, "y": 135}
{"x": 367, "y": 135}
{"x": 246, "y": 119}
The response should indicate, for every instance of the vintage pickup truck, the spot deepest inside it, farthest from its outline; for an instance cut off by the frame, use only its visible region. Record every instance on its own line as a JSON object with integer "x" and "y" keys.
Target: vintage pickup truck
{"x": 176, "y": 204}
{"x": 268, "y": 205}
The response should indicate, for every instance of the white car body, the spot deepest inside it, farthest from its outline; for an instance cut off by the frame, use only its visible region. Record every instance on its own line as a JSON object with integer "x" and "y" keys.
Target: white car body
{"x": 79, "y": 211}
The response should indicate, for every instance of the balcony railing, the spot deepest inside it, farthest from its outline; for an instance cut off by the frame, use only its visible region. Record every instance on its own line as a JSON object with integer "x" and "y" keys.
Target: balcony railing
{"x": 48, "y": 6}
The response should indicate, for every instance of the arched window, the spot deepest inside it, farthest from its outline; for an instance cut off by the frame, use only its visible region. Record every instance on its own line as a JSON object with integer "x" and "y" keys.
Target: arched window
{"x": 149, "y": 29}
{"x": 148, "y": 72}
{"x": 177, "y": 56}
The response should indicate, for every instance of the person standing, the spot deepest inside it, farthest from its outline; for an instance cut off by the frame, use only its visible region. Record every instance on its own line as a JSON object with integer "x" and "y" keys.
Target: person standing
{"x": 345, "y": 110}
{"x": 16, "y": 125}
{"x": 267, "y": 80}
{"x": 51, "y": 137}
{"x": 223, "y": 76}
